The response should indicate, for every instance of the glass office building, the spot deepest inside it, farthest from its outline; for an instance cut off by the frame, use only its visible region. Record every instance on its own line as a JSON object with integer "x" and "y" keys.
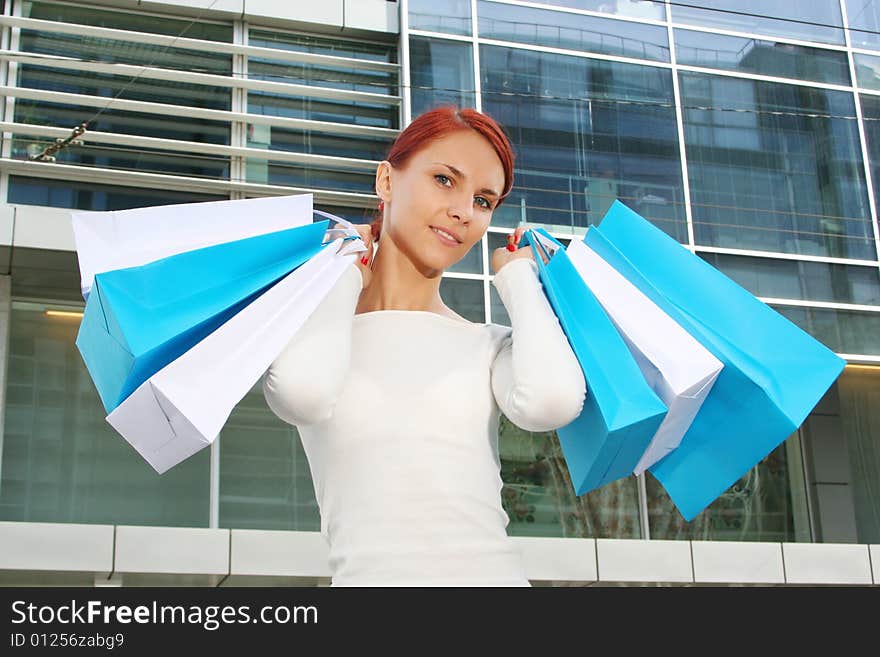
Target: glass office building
{"x": 749, "y": 132}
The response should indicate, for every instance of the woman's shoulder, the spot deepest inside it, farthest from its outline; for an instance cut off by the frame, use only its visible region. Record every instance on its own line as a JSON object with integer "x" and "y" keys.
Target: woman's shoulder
{"x": 498, "y": 332}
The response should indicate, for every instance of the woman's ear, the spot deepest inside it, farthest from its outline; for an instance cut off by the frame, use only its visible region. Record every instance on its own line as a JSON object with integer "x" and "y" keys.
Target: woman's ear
{"x": 383, "y": 181}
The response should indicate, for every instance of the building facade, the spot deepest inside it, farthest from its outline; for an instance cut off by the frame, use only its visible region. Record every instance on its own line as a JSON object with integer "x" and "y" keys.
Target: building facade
{"x": 749, "y": 132}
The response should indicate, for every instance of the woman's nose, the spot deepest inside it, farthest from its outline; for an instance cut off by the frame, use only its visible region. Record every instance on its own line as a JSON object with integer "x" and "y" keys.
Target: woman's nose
{"x": 460, "y": 209}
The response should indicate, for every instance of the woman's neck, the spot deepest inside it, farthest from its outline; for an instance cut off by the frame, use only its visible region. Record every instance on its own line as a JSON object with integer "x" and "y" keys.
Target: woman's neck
{"x": 398, "y": 284}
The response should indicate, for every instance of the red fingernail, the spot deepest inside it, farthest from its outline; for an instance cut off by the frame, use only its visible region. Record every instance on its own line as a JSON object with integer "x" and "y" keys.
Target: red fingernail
{"x": 511, "y": 247}
{"x": 365, "y": 260}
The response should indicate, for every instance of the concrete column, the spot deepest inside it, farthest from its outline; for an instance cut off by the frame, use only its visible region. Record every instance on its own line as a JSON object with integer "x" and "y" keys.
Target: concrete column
{"x": 5, "y": 318}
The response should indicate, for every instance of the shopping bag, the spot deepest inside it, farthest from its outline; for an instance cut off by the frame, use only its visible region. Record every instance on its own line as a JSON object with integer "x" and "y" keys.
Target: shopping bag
{"x": 126, "y": 238}
{"x": 774, "y": 373}
{"x": 139, "y": 319}
{"x": 676, "y": 366}
{"x": 181, "y": 408}
{"x": 621, "y": 413}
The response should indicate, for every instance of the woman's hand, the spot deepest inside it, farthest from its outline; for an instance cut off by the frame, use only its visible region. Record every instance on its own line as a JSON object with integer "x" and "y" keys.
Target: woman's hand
{"x": 364, "y": 260}
{"x": 503, "y": 255}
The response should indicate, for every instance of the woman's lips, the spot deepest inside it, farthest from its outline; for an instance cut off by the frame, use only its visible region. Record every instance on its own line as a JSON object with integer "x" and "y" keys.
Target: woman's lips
{"x": 443, "y": 238}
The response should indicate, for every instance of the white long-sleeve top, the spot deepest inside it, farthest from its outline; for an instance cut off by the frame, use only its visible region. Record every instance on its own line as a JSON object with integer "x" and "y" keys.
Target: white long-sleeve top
{"x": 398, "y": 413}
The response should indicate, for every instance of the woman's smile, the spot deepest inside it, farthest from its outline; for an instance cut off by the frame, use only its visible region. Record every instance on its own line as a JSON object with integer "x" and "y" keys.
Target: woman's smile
{"x": 445, "y": 237}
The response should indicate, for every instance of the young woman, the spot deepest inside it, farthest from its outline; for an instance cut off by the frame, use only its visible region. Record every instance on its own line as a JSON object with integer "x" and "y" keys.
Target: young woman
{"x": 397, "y": 398}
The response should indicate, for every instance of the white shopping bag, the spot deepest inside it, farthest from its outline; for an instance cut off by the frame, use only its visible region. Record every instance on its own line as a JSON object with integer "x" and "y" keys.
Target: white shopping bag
{"x": 182, "y": 408}
{"x": 126, "y": 238}
{"x": 679, "y": 369}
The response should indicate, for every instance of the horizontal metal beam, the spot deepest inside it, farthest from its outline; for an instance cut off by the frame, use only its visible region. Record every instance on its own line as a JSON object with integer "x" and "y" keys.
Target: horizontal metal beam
{"x": 199, "y": 45}
{"x": 190, "y": 77}
{"x": 167, "y": 109}
{"x": 178, "y": 146}
{"x": 56, "y": 171}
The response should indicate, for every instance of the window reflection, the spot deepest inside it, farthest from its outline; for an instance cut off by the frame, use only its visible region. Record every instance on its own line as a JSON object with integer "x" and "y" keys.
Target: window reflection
{"x": 465, "y": 297}
{"x": 761, "y": 56}
{"x": 863, "y": 17}
{"x": 106, "y": 86}
{"x": 775, "y": 167}
{"x": 842, "y": 458}
{"x": 62, "y": 462}
{"x": 813, "y": 21}
{"x": 630, "y": 8}
{"x": 441, "y": 73}
{"x": 586, "y": 132}
{"x": 539, "y": 497}
{"x": 800, "y": 279}
{"x": 451, "y": 16}
{"x": 572, "y": 31}
{"x": 92, "y": 196}
{"x": 265, "y": 481}
{"x": 766, "y": 504}
{"x": 871, "y": 123}
{"x": 842, "y": 331}
{"x": 867, "y": 71}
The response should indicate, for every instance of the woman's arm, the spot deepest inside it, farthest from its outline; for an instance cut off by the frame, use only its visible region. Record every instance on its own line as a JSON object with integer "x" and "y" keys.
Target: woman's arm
{"x": 536, "y": 378}
{"x": 303, "y": 383}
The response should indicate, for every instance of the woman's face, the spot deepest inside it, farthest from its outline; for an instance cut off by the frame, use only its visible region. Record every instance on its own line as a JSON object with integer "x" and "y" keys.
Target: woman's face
{"x": 450, "y": 186}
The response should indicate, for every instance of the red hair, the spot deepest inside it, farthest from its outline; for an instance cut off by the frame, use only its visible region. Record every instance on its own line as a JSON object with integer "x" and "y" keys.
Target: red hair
{"x": 439, "y": 122}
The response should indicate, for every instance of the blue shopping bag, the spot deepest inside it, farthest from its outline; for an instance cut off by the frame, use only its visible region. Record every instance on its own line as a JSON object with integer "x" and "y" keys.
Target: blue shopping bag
{"x": 621, "y": 413}
{"x": 774, "y": 373}
{"x": 139, "y": 319}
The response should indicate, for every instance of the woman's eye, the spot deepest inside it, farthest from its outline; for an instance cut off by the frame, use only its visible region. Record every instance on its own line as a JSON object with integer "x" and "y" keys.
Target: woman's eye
{"x": 442, "y": 179}
{"x": 484, "y": 203}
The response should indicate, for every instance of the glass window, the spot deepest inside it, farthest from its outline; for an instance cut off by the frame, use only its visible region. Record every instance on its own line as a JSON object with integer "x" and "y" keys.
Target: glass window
{"x": 842, "y": 458}
{"x": 265, "y": 481}
{"x": 859, "y": 390}
{"x": 441, "y": 73}
{"x": 775, "y": 167}
{"x": 871, "y": 122}
{"x": 465, "y": 297}
{"x": 572, "y": 31}
{"x": 762, "y": 56}
{"x": 863, "y": 17}
{"x": 135, "y": 21}
{"x": 630, "y": 8}
{"x": 539, "y": 497}
{"x": 92, "y": 196}
{"x": 45, "y": 274}
{"x": 62, "y": 462}
{"x": 867, "y": 71}
{"x": 330, "y": 76}
{"x": 842, "y": 331}
{"x": 354, "y": 215}
{"x": 288, "y": 174}
{"x": 452, "y": 16}
{"x": 811, "y": 21}
{"x": 499, "y": 312}
{"x": 767, "y": 504}
{"x": 107, "y": 118}
{"x": 472, "y": 262}
{"x": 314, "y": 142}
{"x": 319, "y": 142}
{"x": 586, "y": 132}
{"x": 798, "y": 279}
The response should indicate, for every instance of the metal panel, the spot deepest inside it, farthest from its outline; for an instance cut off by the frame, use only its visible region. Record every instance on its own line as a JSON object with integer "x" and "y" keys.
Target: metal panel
{"x": 623, "y": 560}
{"x": 172, "y": 550}
{"x": 826, "y": 563}
{"x": 570, "y": 560}
{"x": 737, "y": 562}
{"x": 53, "y": 546}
